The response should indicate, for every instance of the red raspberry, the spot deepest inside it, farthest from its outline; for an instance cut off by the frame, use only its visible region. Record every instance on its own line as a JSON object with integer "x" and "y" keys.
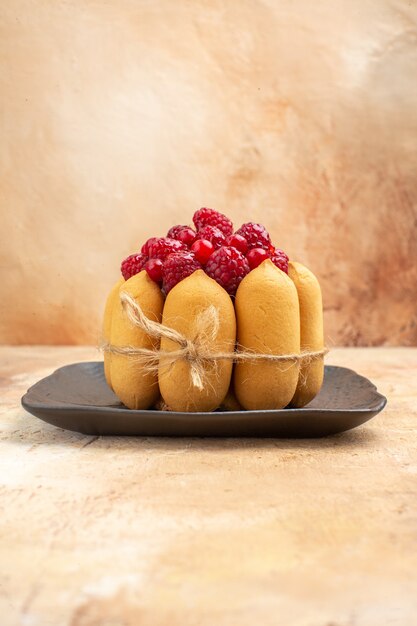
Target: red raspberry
{"x": 280, "y": 259}
{"x": 202, "y": 249}
{"x": 256, "y": 235}
{"x": 210, "y": 217}
{"x": 256, "y": 256}
{"x": 145, "y": 247}
{"x": 185, "y": 234}
{"x": 178, "y": 266}
{"x": 161, "y": 247}
{"x": 133, "y": 264}
{"x": 212, "y": 234}
{"x": 228, "y": 267}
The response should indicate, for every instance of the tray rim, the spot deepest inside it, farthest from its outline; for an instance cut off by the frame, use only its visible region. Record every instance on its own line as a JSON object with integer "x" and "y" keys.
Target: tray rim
{"x": 27, "y": 403}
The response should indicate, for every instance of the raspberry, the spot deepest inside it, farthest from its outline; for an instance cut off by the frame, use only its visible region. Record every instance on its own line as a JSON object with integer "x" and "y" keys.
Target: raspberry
{"x": 185, "y": 234}
{"x": 161, "y": 247}
{"x": 202, "y": 249}
{"x": 147, "y": 244}
{"x": 210, "y": 217}
{"x": 228, "y": 267}
{"x": 256, "y": 256}
{"x": 212, "y": 234}
{"x": 178, "y": 266}
{"x": 280, "y": 259}
{"x": 256, "y": 235}
{"x": 133, "y": 264}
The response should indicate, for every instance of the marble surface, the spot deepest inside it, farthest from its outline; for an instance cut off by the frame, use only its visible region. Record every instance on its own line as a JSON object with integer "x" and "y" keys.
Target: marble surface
{"x": 120, "y": 118}
{"x": 127, "y": 531}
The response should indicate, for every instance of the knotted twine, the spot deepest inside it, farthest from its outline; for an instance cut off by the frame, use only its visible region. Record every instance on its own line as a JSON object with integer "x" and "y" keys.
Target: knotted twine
{"x": 195, "y": 351}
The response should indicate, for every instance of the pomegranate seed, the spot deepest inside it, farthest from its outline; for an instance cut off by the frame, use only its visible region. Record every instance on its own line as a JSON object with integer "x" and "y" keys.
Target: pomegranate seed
{"x": 154, "y": 269}
{"x": 203, "y": 249}
{"x": 256, "y": 256}
{"x": 238, "y": 242}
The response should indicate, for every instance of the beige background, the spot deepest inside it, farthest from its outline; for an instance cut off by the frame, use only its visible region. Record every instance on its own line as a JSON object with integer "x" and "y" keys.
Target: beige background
{"x": 119, "y": 118}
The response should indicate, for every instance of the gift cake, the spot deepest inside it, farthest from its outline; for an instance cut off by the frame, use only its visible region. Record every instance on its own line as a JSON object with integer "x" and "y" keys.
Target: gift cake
{"x": 210, "y": 318}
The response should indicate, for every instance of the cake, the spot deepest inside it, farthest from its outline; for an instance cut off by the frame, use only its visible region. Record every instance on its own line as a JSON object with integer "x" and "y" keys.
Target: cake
{"x": 211, "y": 318}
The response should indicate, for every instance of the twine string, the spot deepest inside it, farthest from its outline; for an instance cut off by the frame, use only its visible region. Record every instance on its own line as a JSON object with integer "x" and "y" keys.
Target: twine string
{"x": 197, "y": 350}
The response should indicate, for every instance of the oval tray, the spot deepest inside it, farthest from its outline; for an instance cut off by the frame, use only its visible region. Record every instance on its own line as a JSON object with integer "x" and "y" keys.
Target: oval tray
{"x": 76, "y": 397}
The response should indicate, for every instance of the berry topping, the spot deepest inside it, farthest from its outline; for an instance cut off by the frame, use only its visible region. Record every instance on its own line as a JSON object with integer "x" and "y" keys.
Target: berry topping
{"x": 178, "y": 266}
{"x": 185, "y": 234}
{"x": 256, "y": 256}
{"x": 212, "y": 234}
{"x": 147, "y": 244}
{"x": 280, "y": 259}
{"x": 238, "y": 242}
{"x": 256, "y": 235}
{"x": 228, "y": 267}
{"x": 202, "y": 249}
{"x": 133, "y": 264}
{"x": 161, "y": 247}
{"x": 210, "y": 217}
{"x": 154, "y": 269}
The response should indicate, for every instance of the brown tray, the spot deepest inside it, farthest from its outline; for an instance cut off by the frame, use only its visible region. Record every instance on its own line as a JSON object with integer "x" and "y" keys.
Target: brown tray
{"x": 76, "y": 397}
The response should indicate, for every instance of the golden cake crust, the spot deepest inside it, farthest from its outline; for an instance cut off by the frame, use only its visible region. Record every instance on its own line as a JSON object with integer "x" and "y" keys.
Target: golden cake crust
{"x": 268, "y": 321}
{"x": 311, "y": 332}
{"x": 106, "y": 328}
{"x": 182, "y": 306}
{"x": 135, "y": 387}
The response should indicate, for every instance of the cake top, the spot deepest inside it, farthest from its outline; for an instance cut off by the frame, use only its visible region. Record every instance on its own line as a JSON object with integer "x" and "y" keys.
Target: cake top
{"x": 213, "y": 245}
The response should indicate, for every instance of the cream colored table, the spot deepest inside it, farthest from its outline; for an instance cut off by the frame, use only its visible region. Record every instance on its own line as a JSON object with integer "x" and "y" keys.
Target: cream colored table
{"x": 189, "y": 532}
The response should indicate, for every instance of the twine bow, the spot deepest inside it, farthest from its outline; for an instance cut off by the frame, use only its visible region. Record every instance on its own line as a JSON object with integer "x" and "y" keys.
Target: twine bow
{"x": 195, "y": 351}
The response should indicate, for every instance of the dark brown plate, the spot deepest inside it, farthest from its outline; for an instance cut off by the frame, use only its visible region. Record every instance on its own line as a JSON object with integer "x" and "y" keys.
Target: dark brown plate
{"x": 77, "y": 397}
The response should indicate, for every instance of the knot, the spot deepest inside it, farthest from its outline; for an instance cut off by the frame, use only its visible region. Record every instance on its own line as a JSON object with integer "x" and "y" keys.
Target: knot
{"x": 192, "y": 353}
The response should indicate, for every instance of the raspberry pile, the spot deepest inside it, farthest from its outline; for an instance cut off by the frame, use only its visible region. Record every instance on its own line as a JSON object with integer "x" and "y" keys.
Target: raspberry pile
{"x": 213, "y": 246}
